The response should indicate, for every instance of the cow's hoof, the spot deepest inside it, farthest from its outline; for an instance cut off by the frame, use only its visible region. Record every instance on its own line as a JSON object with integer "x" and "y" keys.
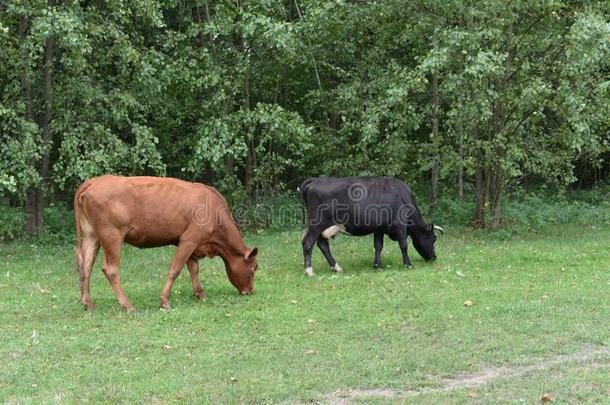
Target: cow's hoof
{"x": 131, "y": 310}
{"x": 336, "y": 268}
{"x": 165, "y": 306}
{"x": 377, "y": 266}
{"x": 409, "y": 267}
{"x": 309, "y": 271}
{"x": 200, "y": 296}
{"x": 88, "y": 305}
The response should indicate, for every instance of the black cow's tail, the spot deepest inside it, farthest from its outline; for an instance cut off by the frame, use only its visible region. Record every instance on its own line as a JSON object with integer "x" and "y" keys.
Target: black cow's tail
{"x": 302, "y": 190}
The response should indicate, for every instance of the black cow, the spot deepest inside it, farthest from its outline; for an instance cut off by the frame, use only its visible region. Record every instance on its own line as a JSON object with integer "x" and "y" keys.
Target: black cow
{"x": 361, "y": 206}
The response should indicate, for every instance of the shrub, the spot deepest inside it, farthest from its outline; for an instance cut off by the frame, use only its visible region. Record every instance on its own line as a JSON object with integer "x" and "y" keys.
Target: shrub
{"x": 12, "y": 223}
{"x": 59, "y": 223}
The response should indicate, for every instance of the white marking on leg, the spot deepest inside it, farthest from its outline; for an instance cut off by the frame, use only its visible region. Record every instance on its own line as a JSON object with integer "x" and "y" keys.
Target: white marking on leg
{"x": 332, "y": 231}
{"x": 336, "y": 268}
{"x": 309, "y": 271}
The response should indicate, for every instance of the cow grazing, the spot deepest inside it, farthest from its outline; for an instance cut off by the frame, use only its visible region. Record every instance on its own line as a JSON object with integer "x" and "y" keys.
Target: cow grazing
{"x": 361, "y": 206}
{"x": 150, "y": 212}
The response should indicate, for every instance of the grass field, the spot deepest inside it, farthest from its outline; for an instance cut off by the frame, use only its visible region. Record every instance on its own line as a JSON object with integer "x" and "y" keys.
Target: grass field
{"x": 539, "y": 323}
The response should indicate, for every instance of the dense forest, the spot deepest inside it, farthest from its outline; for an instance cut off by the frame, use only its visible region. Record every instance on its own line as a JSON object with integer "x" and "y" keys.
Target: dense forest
{"x": 468, "y": 99}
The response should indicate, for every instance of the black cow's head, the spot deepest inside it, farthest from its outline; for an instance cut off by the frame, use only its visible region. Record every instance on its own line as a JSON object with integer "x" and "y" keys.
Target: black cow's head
{"x": 423, "y": 237}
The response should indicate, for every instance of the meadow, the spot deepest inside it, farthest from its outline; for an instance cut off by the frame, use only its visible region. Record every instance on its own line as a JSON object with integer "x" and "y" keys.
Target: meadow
{"x": 493, "y": 320}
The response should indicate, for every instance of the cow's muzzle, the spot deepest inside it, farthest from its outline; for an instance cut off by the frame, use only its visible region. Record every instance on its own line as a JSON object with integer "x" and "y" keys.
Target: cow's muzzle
{"x": 247, "y": 292}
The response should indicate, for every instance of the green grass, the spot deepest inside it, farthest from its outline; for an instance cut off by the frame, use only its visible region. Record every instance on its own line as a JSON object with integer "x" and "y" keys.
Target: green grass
{"x": 535, "y": 297}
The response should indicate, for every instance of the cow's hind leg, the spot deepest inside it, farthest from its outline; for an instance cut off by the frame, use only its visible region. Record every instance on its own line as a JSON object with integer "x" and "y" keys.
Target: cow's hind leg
{"x": 378, "y": 242}
{"x": 85, "y": 259}
{"x": 183, "y": 252}
{"x": 309, "y": 239}
{"x": 325, "y": 248}
{"x": 193, "y": 266}
{"x": 110, "y": 267}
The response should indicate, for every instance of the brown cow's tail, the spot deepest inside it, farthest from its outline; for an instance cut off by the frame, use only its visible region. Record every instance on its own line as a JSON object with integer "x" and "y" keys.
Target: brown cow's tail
{"x": 79, "y": 243}
{"x": 78, "y": 212}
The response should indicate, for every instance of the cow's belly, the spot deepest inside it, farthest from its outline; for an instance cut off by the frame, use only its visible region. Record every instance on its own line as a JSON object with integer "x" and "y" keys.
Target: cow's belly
{"x": 150, "y": 239}
{"x": 333, "y": 230}
{"x": 359, "y": 231}
{"x": 365, "y": 230}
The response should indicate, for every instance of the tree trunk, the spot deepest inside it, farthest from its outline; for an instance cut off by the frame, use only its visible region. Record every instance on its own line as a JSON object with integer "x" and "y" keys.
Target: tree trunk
{"x": 251, "y": 157}
{"x": 496, "y": 178}
{"x": 460, "y": 177}
{"x": 316, "y": 71}
{"x": 496, "y": 201}
{"x": 481, "y": 194}
{"x": 31, "y": 202}
{"x": 26, "y": 82}
{"x": 35, "y": 197}
{"x": 435, "y": 142}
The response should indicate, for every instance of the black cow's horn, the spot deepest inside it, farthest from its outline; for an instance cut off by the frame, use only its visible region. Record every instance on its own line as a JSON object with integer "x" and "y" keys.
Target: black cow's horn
{"x": 438, "y": 228}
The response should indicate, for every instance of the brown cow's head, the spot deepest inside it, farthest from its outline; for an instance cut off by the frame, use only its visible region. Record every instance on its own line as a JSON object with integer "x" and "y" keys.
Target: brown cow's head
{"x": 241, "y": 272}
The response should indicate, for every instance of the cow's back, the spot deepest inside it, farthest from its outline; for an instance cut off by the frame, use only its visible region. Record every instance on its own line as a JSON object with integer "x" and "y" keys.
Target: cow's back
{"x": 149, "y": 211}
{"x": 366, "y": 189}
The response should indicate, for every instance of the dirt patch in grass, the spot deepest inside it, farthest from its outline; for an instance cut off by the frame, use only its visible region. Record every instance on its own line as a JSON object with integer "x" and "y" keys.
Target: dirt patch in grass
{"x": 593, "y": 357}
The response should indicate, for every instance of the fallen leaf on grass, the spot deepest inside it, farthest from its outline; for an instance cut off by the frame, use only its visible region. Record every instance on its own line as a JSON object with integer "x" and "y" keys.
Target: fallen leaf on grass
{"x": 311, "y": 321}
{"x": 471, "y": 394}
{"x": 546, "y": 397}
{"x": 311, "y": 351}
{"x": 233, "y": 379}
{"x": 294, "y": 301}
{"x": 459, "y": 273}
{"x": 167, "y": 347}
{"x": 467, "y": 303}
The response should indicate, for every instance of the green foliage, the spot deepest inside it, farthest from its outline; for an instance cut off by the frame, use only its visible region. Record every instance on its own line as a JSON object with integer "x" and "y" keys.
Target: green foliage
{"x": 253, "y": 96}
{"x": 12, "y": 222}
{"x": 18, "y": 147}
{"x": 532, "y": 212}
{"x": 280, "y": 138}
{"x": 527, "y": 212}
{"x": 59, "y": 221}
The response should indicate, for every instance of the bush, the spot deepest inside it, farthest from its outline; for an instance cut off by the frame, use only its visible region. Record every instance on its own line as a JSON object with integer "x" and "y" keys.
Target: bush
{"x": 12, "y": 223}
{"x": 59, "y": 223}
{"x": 532, "y": 212}
{"x": 529, "y": 212}
{"x": 279, "y": 213}
{"x": 58, "y": 220}
{"x": 521, "y": 213}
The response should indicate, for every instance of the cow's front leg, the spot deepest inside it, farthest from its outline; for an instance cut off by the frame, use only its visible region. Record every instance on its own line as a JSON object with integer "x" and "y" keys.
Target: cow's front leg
{"x": 325, "y": 248}
{"x": 193, "y": 266}
{"x": 310, "y": 237}
{"x": 402, "y": 242}
{"x": 378, "y": 243}
{"x": 183, "y": 252}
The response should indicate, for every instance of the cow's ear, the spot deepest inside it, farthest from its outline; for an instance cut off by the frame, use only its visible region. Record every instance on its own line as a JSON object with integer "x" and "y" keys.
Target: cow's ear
{"x": 251, "y": 253}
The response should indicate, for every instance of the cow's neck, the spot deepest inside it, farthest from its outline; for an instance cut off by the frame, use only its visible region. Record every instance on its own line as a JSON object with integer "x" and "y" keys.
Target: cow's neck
{"x": 227, "y": 242}
{"x": 417, "y": 220}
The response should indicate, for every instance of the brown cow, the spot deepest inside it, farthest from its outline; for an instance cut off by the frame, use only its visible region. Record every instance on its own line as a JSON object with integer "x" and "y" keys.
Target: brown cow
{"x": 150, "y": 212}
